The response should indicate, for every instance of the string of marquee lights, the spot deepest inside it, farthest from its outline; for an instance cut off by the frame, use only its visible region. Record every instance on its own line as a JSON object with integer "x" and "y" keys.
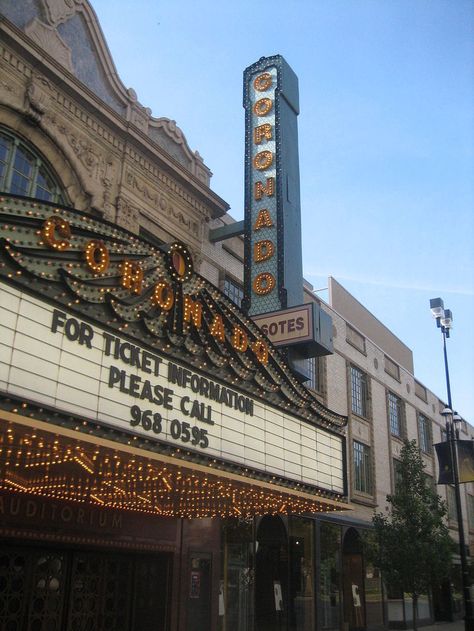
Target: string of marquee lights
{"x": 41, "y": 463}
{"x": 89, "y": 269}
{"x": 181, "y": 457}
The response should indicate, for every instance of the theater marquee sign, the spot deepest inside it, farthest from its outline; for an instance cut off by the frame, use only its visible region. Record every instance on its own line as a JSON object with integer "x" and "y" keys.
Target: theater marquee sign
{"x": 100, "y": 324}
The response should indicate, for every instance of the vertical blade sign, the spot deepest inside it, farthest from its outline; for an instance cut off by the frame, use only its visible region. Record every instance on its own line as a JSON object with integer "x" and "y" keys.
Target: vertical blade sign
{"x": 273, "y": 275}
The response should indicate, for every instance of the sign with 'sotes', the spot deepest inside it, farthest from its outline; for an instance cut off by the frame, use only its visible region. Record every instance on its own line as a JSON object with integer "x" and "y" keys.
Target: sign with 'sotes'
{"x": 290, "y": 326}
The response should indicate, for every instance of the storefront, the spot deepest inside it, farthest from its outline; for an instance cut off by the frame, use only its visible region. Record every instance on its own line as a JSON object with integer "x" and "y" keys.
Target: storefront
{"x": 158, "y": 458}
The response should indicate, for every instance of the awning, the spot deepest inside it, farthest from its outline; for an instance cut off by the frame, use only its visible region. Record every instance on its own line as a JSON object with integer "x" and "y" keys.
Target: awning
{"x": 47, "y": 460}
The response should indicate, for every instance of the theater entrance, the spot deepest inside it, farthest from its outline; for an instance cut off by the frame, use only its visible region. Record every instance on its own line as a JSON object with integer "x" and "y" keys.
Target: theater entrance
{"x": 49, "y": 589}
{"x": 271, "y": 576}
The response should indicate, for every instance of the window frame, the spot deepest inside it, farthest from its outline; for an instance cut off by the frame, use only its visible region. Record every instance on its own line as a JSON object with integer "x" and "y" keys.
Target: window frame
{"x": 236, "y": 287}
{"x": 396, "y": 464}
{"x": 425, "y": 433}
{"x": 363, "y": 478}
{"x": 359, "y": 392}
{"x": 314, "y": 370}
{"x": 16, "y": 148}
{"x": 396, "y": 415}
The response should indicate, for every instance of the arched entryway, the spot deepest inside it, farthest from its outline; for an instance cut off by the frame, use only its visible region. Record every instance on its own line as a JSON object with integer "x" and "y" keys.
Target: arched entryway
{"x": 271, "y": 576}
{"x": 353, "y": 580}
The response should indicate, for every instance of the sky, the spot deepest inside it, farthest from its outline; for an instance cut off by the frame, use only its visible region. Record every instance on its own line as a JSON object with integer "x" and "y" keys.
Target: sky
{"x": 386, "y": 141}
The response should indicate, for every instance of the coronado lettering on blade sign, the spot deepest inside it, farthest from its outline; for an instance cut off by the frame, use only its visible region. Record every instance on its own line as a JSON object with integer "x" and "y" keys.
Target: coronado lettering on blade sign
{"x": 272, "y": 213}
{"x": 264, "y": 176}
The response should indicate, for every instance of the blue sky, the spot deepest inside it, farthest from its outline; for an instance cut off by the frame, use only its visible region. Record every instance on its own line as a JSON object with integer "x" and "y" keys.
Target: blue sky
{"x": 386, "y": 139}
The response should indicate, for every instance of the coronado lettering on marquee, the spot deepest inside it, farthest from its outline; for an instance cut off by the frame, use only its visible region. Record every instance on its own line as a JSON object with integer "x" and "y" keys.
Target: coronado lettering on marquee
{"x": 56, "y": 234}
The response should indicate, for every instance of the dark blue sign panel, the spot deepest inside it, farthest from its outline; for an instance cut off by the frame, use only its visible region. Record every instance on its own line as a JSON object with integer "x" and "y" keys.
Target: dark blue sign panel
{"x": 273, "y": 267}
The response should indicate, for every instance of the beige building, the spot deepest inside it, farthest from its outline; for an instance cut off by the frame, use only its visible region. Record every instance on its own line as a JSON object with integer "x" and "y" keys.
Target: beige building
{"x": 72, "y": 135}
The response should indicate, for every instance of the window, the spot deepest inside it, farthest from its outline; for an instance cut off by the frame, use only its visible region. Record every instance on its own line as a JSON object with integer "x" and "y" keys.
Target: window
{"x": 420, "y": 391}
{"x": 395, "y": 414}
{"x": 233, "y": 290}
{"x": 392, "y": 368}
{"x": 314, "y": 371}
{"x": 330, "y": 577}
{"x": 355, "y": 338}
{"x": 397, "y": 474}
{"x": 359, "y": 391}
{"x": 424, "y": 434}
{"x": 23, "y": 172}
{"x": 430, "y": 483}
{"x": 362, "y": 468}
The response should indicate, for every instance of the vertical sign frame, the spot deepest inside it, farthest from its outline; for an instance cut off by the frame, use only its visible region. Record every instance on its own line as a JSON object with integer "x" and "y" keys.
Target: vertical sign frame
{"x": 273, "y": 278}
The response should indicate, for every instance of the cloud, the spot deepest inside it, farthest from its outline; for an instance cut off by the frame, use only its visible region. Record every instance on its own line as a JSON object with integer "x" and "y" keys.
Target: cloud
{"x": 393, "y": 284}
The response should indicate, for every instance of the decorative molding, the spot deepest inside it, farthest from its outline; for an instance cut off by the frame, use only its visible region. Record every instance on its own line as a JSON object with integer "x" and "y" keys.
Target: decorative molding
{"x": 197, "y": 258}
{"x": 128, "y": 215}
{"x": 160, "y": 202}
{"x": 91, "y": 123}
{"x": 138, "y": 115}
{"x": 58, "y": 11}
{"x": 7, "y": 87}
{"x": 174, "y": 132}
{"x": 107, "y": 177}
{"x": 100, "y": 168}
{"x": 139, "y": 118}
{"x": 151, "y": 169}
{"x": 171, "y": 129}
{"x": 37, "y": 97}
{"x": 83, "y": 149}
{"x": 11, "y": 94}
{"x": 50, "y": 41}
{"x": 115, "y": 140}
{"x": 202, "y": 172}
{"x": 46, "y": 37}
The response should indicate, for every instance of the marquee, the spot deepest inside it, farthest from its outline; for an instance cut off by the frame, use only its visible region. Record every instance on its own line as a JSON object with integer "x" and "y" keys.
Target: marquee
{"x": 100, "y": 324}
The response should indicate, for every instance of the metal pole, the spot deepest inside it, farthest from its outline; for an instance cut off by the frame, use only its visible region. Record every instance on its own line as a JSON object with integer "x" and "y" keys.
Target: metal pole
{"x": 446, "y": 370}
{"x": 451, "y": 437}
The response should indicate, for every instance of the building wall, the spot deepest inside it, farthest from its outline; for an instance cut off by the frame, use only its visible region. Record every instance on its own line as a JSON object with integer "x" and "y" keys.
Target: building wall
{"x": 388, "y": 363}
{"x": 111, "y": 163}
{"x": 355, "y": 347}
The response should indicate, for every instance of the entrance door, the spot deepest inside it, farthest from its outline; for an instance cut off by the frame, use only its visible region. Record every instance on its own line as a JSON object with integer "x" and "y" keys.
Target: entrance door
{"x": 59, "y": 590}
{"x": 32, "y": 589}
{"x": 100, "y": 592}
{"x": 271, "y": 576}
{"x": 198, "y": 611}
{"x": 353, "y": 580}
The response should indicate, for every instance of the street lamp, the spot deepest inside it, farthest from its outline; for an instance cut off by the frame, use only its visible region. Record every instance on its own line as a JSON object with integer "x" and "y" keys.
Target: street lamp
{"x": 444, "y": 321}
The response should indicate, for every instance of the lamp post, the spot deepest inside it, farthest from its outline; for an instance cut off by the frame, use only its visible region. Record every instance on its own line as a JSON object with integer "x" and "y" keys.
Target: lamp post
{"x": 444, "y": 321}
